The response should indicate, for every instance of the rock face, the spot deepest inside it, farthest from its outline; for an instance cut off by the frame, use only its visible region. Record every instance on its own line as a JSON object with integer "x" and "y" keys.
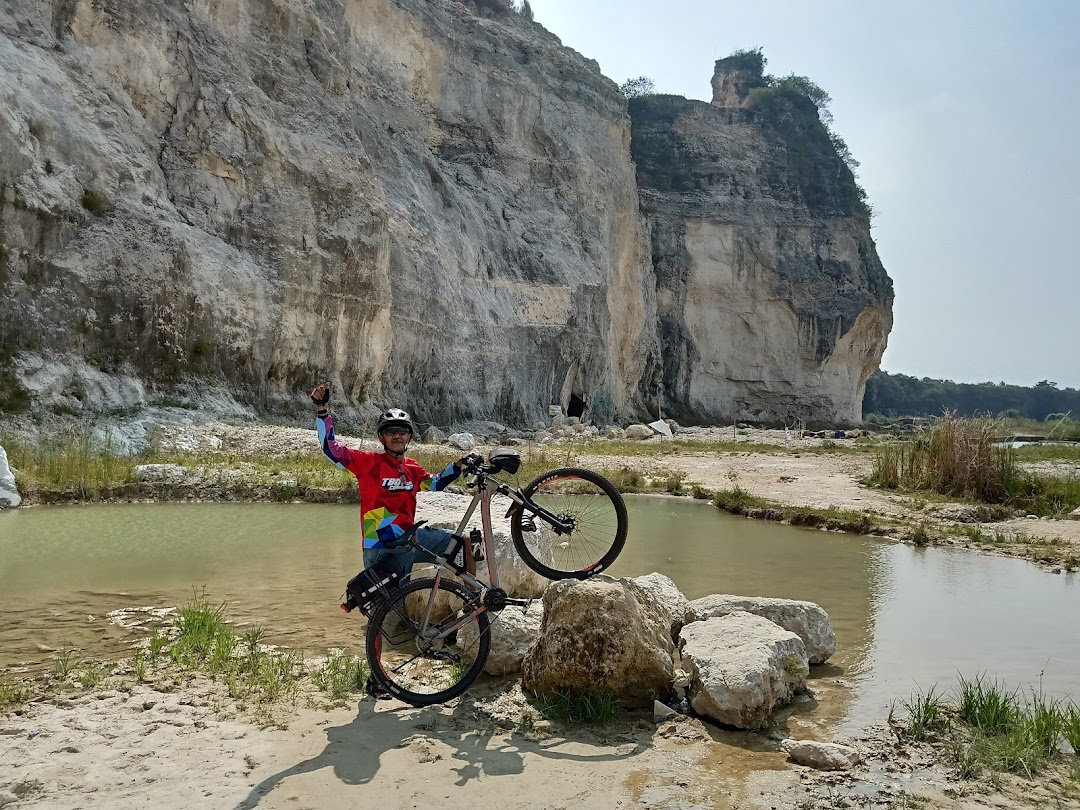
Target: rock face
{"x": 805, "y": 619}
{"x": 601, "y": 636}
{"x": 741, "y": 667}
{"x": 261, "y": 196}
{"x": 278, "y": 193}
{"x": 771, "y": 300}
{"x": 9, "y": 493}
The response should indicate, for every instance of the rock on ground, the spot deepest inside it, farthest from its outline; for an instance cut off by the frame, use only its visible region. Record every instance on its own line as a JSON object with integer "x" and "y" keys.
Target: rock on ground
{"x": 805, "y": 619}
{"x": 741, "y": 667}
{"x": 513, "y": 632}
{"x": 638, "y": 432}
{"x": 462, "y": 441}
{"x": 602, "y": 635}
{"x": 669, "y": 596}
{"x": 823, "y": 756}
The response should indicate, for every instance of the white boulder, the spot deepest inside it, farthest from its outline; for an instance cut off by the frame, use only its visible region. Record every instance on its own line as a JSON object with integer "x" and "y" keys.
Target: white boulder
{"x": 823, "y": 756}
{"x": 805, "y": 619}
{"x": 638, "y": 432}
{"x": 513, "y": 631}
{"x": 9, "y": 493}
{"x": 601, "y": 635}
{"x": 741, "y": 667}
{"x": 462, "y": 441}
{"x": 669, "y": 596}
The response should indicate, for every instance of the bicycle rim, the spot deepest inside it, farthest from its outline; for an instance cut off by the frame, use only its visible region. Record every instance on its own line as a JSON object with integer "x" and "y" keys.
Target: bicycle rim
{"x": 591, "y": 505}
{"x": 427, "y": 663}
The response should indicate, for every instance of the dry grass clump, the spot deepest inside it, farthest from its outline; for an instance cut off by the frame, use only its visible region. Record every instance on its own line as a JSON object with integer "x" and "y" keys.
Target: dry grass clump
{"x": 959, "y": 460}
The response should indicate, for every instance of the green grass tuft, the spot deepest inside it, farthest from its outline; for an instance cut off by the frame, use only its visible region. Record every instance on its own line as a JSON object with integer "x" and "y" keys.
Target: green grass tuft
{"x": 13, "y": 693}
{"x": 341, "y": 676}
{"x": 598, "y": 709}
{"x": 926, "y": 714}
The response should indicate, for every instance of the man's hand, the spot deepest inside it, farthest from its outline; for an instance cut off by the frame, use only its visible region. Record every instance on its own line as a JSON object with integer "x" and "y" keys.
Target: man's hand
{"x": 471, "y": 460}
{"x": 321, "y": 395}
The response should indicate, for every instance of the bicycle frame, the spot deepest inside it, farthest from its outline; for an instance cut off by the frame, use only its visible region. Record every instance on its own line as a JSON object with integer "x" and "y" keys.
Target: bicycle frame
{"x": 486, "y": 485}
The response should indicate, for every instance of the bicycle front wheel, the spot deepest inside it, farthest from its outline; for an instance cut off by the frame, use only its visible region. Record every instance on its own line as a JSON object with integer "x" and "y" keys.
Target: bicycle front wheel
{"x": 593, "y": 509}
{"x": 425, "y": 644}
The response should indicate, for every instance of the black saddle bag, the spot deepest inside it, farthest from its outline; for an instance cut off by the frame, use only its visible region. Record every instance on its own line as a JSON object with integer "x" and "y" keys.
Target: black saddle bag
{"x": 368, "y": 588}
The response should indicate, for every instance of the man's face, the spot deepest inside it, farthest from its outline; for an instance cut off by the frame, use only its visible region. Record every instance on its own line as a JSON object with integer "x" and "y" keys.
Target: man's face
{"x": 395, "y": 439}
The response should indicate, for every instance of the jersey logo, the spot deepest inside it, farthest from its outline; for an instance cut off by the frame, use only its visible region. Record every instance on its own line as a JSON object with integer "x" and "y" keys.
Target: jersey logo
{"x": 402, "y": 484}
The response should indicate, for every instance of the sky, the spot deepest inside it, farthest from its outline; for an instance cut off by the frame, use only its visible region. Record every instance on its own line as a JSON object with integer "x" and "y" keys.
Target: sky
{"x": 965, "y": 117}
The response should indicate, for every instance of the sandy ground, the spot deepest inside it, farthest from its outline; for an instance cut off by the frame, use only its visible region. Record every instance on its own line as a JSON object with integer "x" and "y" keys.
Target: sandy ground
{"x": 136, "y": 747}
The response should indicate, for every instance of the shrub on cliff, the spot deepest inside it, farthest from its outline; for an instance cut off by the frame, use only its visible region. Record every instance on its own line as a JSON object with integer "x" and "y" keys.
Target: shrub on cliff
{"x": 636, "y": 88}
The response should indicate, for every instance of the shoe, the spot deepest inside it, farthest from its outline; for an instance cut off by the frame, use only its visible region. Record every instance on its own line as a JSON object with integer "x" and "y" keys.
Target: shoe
{"x": 375, "y": 689}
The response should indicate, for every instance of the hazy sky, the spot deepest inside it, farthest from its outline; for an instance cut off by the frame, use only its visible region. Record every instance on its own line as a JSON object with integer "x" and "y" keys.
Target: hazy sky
{"x": 965, "y": 115}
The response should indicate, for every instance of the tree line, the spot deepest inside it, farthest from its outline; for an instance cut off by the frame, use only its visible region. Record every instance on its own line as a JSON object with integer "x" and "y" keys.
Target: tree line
{"x": 901, "y": 395}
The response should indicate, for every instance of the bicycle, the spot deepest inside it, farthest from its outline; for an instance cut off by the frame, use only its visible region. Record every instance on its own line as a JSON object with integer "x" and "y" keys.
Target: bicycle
{"x": 428, "y": 640}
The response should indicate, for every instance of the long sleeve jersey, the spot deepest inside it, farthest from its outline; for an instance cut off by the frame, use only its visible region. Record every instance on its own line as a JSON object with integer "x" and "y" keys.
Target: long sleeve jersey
{"x": 387, "y": 487}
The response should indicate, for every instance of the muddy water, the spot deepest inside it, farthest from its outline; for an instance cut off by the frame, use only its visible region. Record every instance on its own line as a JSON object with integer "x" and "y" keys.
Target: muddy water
{"x": 904, "y": 617}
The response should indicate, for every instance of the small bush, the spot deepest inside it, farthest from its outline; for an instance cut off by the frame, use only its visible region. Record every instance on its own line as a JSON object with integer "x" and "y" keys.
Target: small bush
{"x": 95, "y": 202}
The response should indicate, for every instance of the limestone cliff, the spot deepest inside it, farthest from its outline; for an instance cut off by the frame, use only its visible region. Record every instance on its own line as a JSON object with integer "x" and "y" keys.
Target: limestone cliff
{"x": 431, "y": 205}
{"x": 772, "y": 302}
{"x": 428, "y": 207}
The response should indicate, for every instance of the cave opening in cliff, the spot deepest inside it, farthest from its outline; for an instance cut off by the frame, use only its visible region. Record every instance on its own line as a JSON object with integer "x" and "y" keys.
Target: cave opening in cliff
{"x": 576, "y": 406}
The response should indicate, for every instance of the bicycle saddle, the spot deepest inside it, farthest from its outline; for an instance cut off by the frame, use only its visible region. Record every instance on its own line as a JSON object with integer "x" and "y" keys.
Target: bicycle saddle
{"x": 405, "y": 539}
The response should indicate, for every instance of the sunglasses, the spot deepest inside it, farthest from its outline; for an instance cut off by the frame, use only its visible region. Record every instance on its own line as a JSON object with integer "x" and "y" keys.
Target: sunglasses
{"x": 394, "y": 431}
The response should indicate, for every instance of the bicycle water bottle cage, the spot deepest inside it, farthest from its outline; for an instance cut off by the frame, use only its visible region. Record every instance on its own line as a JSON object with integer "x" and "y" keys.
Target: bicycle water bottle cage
{"x": 477, "y": 540}
{"x": 455, "y": 554}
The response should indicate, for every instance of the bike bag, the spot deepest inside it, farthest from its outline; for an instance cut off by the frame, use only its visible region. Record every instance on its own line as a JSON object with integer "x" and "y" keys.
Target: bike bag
{"x": 368, "y": 588}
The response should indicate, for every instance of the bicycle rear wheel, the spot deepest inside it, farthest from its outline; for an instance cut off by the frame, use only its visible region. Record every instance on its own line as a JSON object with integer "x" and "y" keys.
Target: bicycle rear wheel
{"x": 421, "y": 660}
{"x": 593, "y": 508}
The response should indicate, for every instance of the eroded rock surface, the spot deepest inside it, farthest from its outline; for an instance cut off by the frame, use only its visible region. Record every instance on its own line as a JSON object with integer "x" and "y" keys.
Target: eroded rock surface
{"x": 602, "y": 636}
{"x": 771, "y": 300}
{"x": 263, "y": 196}
{"x": 669, "y": 596}
{"x": 741, "y": 667}
{"x": 271, "y": 195}
{"x": 513, "y": 632}
{"x": 805, "y": 619}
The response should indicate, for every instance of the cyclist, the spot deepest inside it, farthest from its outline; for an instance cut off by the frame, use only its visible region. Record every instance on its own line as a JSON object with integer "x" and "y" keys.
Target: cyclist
{"x": 388, "y": 484}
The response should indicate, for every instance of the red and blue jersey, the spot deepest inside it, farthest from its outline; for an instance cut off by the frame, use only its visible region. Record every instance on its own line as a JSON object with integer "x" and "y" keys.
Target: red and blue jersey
{"x": 387, "y": 487}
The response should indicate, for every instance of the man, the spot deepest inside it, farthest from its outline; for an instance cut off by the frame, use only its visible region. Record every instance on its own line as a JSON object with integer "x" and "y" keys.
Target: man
{"x": 388, "y": 484}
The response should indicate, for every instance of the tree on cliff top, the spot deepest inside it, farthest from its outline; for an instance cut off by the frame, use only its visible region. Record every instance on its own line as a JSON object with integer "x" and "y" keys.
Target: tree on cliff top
{"x": 751, "y": 60}
{"x": 635, "y": 88}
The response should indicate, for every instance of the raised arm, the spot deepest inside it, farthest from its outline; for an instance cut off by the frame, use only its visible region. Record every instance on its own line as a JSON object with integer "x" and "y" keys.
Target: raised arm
{"x": 344, "y": 457}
